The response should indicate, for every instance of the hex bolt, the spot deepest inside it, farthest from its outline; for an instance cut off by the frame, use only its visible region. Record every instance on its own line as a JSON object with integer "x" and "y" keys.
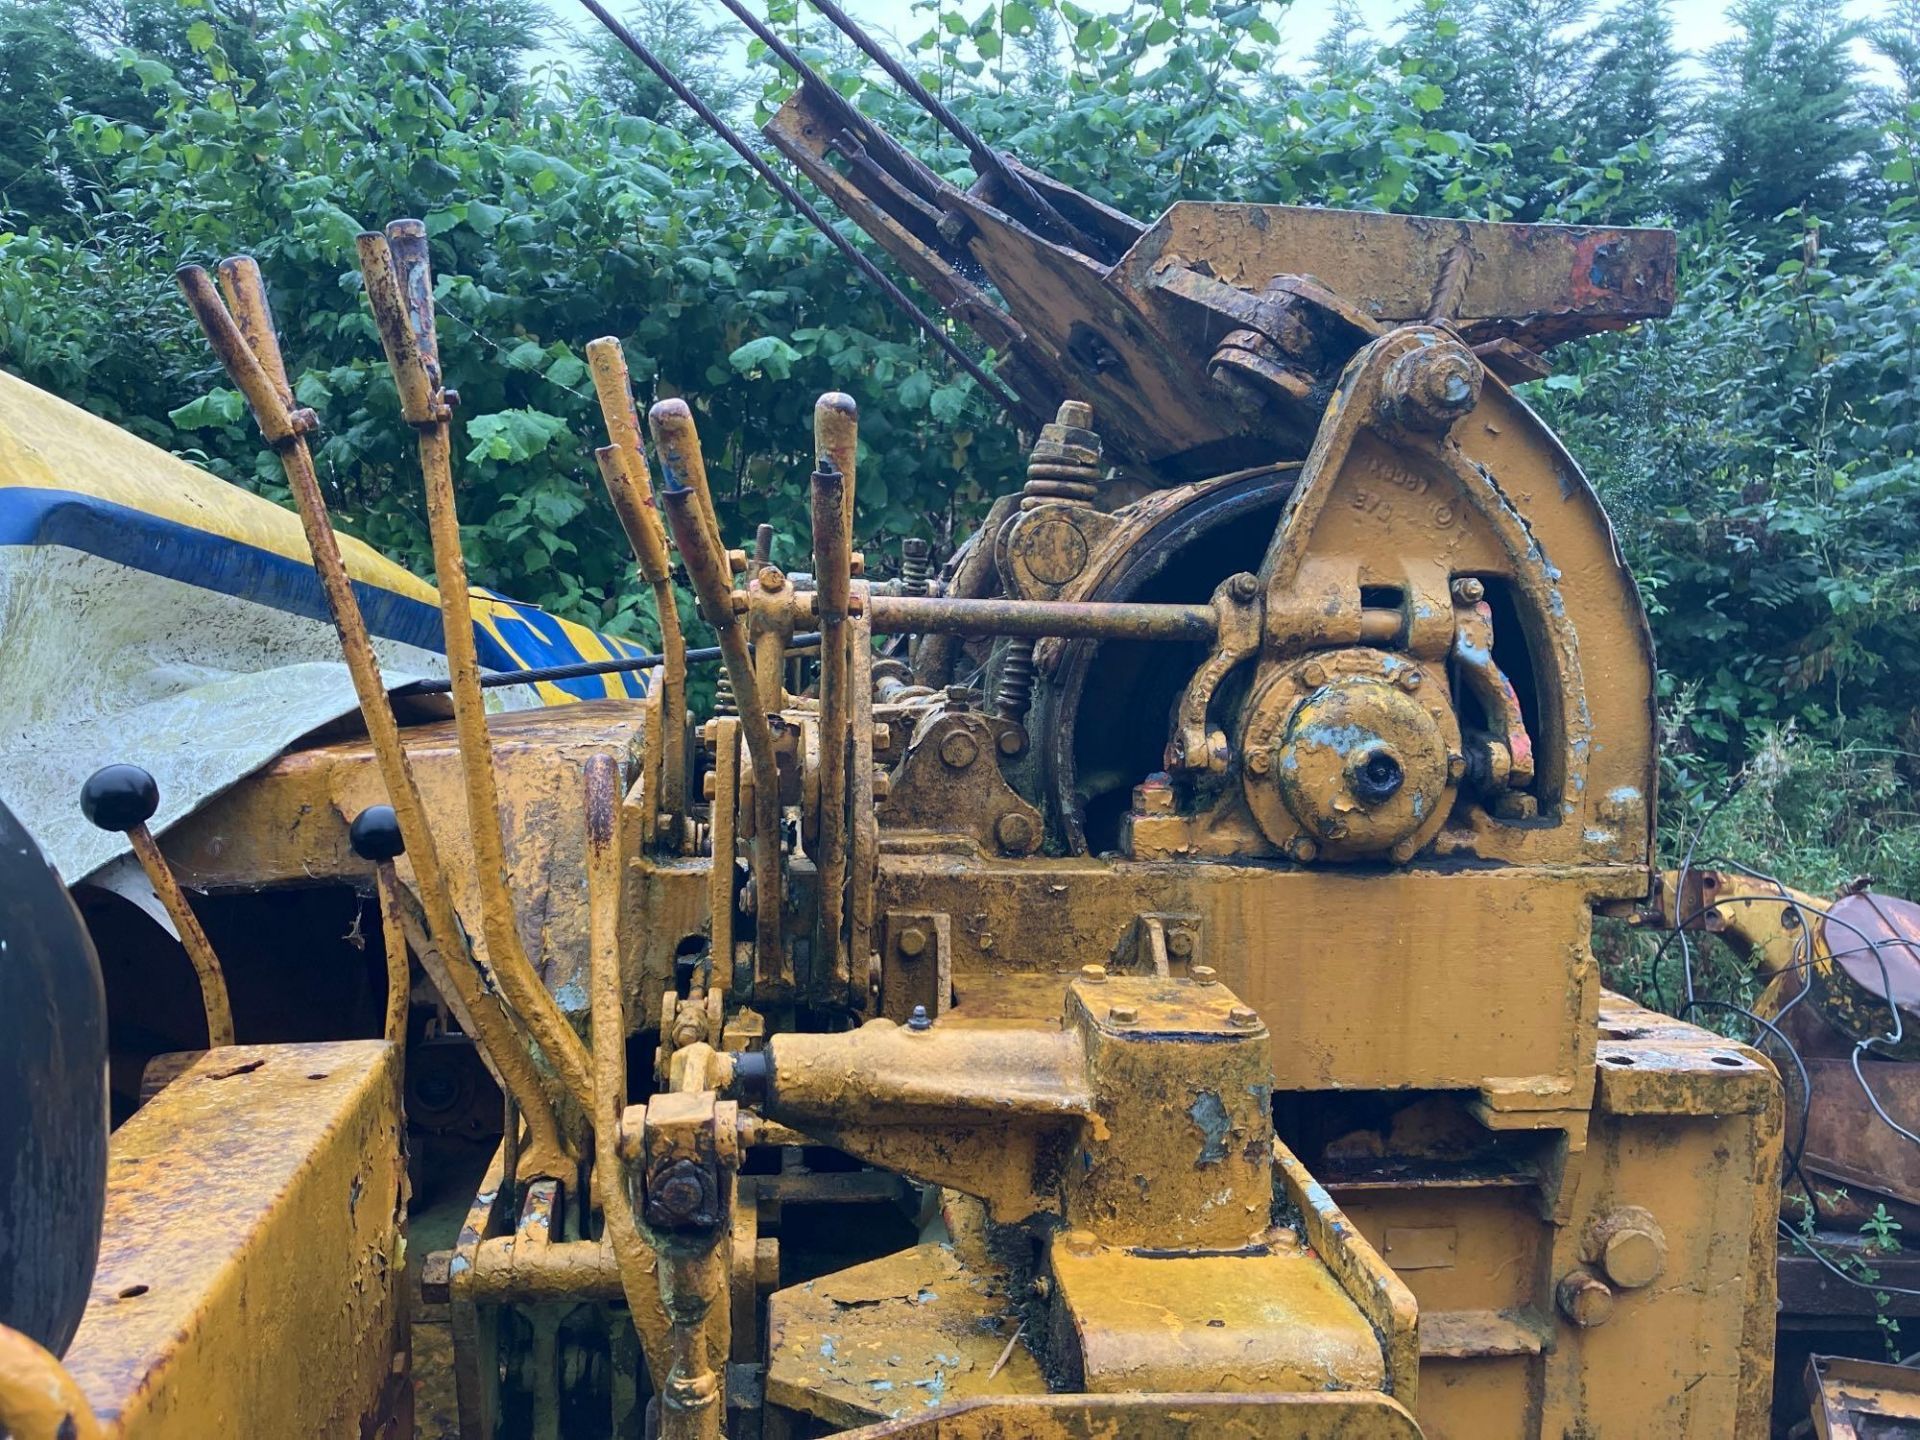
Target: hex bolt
{"x": 1259, "y": 762}
{"x": 1204, "y": 975}
{"x": 1409, "y": 678}
{"x": 959, "y": 750}
{"x": 771, "y": 579}
{"x": 1094, "y": 974}
{"x": 1013, "y": 740}
{"x": 1179, "y": 943}
{"x": 1123, "y": 1014}
{"x": 1584, "y": 1298}
{"x": 1303, "y": 850}
{"x": 1633, "y": 1258}
{"x": 1015, "y": 832}
{"x": 1313, "y": 674}
{"x": 913, "y": 941}
{"x": 1468, "y": 591}
{"x": 1432, "y": 387}
{"x": 1243, "y": 586}
{"x": 919, "y": 1020}
{"x": 676, "y": 1195}
{"x": 1241, "y": 1018}
{"x": 1456, "y": 766}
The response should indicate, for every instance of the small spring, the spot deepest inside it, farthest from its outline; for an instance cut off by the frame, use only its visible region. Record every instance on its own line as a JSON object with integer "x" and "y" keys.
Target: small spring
{"x": 916, "y": 567}
{"x": 1016, "y": 681}
{"x": 724, "y": 702}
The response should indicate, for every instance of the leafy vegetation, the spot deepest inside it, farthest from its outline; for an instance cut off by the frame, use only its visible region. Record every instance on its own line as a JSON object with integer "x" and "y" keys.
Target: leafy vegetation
{"x": 1757, "y": 450}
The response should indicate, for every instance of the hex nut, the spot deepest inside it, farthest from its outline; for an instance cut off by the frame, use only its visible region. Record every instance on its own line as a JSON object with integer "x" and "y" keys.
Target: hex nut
{"x": 913, "y": 941}
{"x": 1013, "y": 740}
{"x": 1241, "y": 1018}
{"x": 1179, "y": 943}
{"x": 1204, "y": 975}
{"x": 1016, "y": 833}
{"x": 1468, "y": 591}
{"x": 959, "y": 750}
{"x": 1123, "y": 1014}
{"x": 1094, "y": 974}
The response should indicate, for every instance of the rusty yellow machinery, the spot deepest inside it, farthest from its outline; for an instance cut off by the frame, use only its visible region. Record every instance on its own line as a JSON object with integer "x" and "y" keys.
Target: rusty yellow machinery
{"x": 1137, "y": 981}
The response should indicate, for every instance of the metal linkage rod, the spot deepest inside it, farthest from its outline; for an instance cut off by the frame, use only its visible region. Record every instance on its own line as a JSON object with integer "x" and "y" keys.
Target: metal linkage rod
{"x": 1068, "y": 619}
{"x": 986, "y": 160}
{"x": 784, "y": 189}
{"x": 836, "y": 442}
{"x": 586, "y": 669}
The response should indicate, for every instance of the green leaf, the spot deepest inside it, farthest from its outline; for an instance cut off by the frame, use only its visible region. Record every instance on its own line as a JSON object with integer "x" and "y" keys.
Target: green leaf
{"x": 568, "y": 370}
{"x": 200, "y": 36}
{"x": 769, "y": 354}
{"x": 1429, "y": 98}
{"x": 215, "y": 410}
{"x": 484, "y": 218}
{"x": 512, "y": 435}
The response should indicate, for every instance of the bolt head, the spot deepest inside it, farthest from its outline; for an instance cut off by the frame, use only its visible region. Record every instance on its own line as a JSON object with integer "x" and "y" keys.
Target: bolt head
{"x": 1016, "y": 832}
{"x": 119, "y": 797}
{"x": 1179, "y": 943}
{"x": 1204, "y": 975}
{"x": 1013, "y": 740}
{"x": 1409, "y": 678}
{"x": 919, "y": 1020}
{"x": 1241, "y": 1018}
{"x": 1303, "y": 850}
{"x": 1431, "y": 387}
{"x": 1633, "y": 1258}
{"x": 1243, "y": 586}
{"x": 1456, "y": 767}
{"x": 1585, "y": 1299}
{"x": 1259, "y": 762}
{"x": 1123, "y": 1014}
{"x": 1094, "y": 974}
{"x": 959, "y": 750}
{"x": 913, "y": 941}
{"x": 1404, "y": 851}
{"x": 1313, "y": 674}
{"x": 771, "y": 579}
{"x": 375, "y": 834}
{"x": 1469, "y": 591}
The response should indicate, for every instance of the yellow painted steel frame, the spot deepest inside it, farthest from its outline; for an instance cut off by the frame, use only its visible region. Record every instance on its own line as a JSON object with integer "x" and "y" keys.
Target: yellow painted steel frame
{"x": 253, "y": 1260}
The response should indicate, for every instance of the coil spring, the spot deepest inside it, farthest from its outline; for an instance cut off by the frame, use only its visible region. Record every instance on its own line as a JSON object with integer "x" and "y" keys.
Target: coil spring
{"x": 1055, "y": 473}
{"x": 724, "y": 702}
{"x": 916, "y": 567}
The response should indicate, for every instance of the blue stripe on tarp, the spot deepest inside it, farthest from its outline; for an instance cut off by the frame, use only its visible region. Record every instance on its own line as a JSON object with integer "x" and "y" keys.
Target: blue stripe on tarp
{"x": 163, "y": 547}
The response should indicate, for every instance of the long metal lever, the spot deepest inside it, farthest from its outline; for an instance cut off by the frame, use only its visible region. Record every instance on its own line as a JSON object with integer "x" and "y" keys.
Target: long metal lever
{"x": 400, "y": 291}
{"x": 836, "y": 442}
{"x": 623, "y": 469}
{"x": 689, "y": 506}
{"x": 261, "y": 376}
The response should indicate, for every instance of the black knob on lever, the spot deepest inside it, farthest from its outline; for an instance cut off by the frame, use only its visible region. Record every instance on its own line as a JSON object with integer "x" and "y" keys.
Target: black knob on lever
{"x": 375, "y": 834}
{"x": 119, "y": 797}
